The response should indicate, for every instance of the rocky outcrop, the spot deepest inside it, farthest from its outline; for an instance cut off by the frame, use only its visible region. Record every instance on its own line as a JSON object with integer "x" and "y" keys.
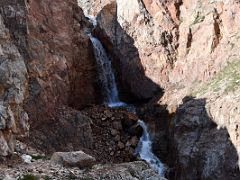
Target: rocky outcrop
{"x": 186, "y": 48}
{"x": 72, "y": 131}
{"x": 199, "y": 143}
{"x": 92, "y": 7}
{"x": 47, "y": 62}
{"x": 165, "y": 41}
{"x": 60, "y": 56}
{"x": 109, "y": 135}
{"x": 13, "y": 91}
{"x": 133, "y": 82}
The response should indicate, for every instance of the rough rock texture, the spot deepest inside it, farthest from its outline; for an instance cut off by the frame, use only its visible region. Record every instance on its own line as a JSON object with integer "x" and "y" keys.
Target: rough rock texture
{"x": 115, "y": 134}
{"x": 72, "y": 132}
{"x": 13, "y": 91}
{"x": 46, "y": 169}
{"x": 109, "y": 135}
{"x": 61, "y": 66}
{"x": 73, "y": 159}
{"x": 133, "y": 83}
{"x": 92, "y": 7}
{"x": 45, "y": 54}
{"x": 164, "y": 42}
{"x": 199, "y": 143}
{"x": 186, "y": 48}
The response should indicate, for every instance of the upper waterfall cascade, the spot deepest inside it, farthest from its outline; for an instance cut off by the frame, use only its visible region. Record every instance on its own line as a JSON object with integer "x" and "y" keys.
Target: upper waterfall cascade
{"x": 106, "y": 75}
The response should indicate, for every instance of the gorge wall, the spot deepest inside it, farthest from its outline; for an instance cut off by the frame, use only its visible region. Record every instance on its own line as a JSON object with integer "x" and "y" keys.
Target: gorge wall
{"x": 189, "y": 49}
{"x": 46, "y": 63}
{"x": 183, "y": 55}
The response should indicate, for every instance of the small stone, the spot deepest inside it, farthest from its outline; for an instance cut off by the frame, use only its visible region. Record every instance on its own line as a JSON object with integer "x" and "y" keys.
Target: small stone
{"x": 121, "y": 145}
{"x": 117, "y": 125}
{"x": 128, "y": 144}
{"x": 134, "y": 141}
{"x": 26, "y": 158}
{"x": 7, "y": 177}
{"x": 108, "y": 113}
{"x": 104, "y": 118}
{"x": 117, "y": 138}
{"x": 114, "y": 132}
{"x": 112, "y": 153}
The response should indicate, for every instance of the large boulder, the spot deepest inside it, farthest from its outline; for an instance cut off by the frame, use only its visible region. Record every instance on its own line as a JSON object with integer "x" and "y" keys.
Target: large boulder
{"x": 73, "y": 159}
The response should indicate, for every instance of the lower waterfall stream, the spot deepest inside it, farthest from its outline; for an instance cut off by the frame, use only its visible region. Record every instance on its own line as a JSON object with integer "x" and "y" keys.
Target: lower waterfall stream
{"x": 144, "y": 149}
{"x": 111, "y": 98}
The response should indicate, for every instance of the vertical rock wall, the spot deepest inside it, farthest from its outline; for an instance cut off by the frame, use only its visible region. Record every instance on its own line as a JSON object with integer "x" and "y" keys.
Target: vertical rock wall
{"x": 46, "y": 62}
{"x": 13, "y": 91}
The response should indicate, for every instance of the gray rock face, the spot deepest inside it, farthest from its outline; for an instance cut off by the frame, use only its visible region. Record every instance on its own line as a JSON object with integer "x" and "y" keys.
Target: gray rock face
{"x": 13, "y": 85}
{"x": 73, "y": 159}
{"x": 203, "y": 151}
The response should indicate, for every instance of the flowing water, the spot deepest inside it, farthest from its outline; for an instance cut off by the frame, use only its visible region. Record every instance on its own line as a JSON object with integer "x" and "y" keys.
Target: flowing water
{"x": 111, "y": 98}
{"x": 144, "y": 149}
{"x": 106, "y": 75}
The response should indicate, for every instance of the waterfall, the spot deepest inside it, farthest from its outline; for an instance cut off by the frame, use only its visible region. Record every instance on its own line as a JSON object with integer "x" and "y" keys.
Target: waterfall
{"x": 144, "y": 149}
{"x": 106, "y": 75}
{"x": 111, "y": 98}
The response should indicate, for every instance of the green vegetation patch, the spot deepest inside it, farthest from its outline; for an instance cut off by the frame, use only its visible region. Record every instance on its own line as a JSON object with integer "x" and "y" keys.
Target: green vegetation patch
{"x": 227, "y": 80}
{"x": 28, "y": 177}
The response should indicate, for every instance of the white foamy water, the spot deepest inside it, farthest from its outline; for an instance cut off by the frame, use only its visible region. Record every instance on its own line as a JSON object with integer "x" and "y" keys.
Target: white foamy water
{"x": 111, "y": 98}
{"x": 144, "y": 149}
{"x": 92, "y": 20}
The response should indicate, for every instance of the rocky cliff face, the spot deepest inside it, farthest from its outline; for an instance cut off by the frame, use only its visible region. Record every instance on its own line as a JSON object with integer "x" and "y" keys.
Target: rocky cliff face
{"x": 190, "y": 49}
{"x": 46, "y": 62}
{"x": 13, "y": 91}
{"x": 164, "y": 39}
{"x": 181, "y": 54}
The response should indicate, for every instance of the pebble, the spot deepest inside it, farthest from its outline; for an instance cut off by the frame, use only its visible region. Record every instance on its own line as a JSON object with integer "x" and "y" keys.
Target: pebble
{"x": 121, "y": 145}
{"x": 117, "y": 138}
{"x": 117, "y": 125}
{"x": 114, "y": 132}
